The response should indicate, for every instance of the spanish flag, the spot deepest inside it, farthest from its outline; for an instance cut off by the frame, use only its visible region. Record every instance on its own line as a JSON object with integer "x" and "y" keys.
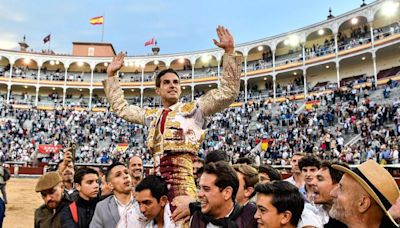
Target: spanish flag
{"x": 97, "y": 20}
{"x": 122, "y": 147}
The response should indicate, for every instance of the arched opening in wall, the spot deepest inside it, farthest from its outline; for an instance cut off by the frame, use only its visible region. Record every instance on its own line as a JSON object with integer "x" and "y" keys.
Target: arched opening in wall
{"x": 25, "y": 68}
{"x": 151, "y": 99}
{"x": 289, "y": 83}
{"x": 206, "y": 66}
{"x": 131, "y": 72}
{"x": 387, "y": 20}
{"x": 79, "y": 72}
{"x": 241, "y": 96}
{"x": 186, "y": 93}
{"x": 132, "y": 95}
{"x": 200, "y": 90}
{"x": 183, "y": 67}
{"x": 321, "y": 77}
{"x": 4, "y": 67}
{"x": 260, "y": 88}
{"x": 77, "y": 98}
{"x": 152, "y": 68}
{"x": 356, "y": 70}
{"x": 22, "y": 95}
{"x": 99, "y": 99}
{"x": 100, "y": 71}
{"x": 288, "y": 51}
{"x": 353, "y": 32}
{"x": 388, "y": 62}
{"x": 50, "y": 97}
{"x": 259, "y": 57}
{"x": 319, "y": 43}
{"x": 3, "y": 92}
{"x": 52, "y": 70}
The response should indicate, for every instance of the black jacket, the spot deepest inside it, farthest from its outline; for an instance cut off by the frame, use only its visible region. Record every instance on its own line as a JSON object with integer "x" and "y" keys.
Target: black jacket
{"x": 85, "y": 214}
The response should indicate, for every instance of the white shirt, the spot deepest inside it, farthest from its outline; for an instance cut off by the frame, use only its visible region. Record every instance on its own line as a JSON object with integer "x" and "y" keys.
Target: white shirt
{"x": 309, "y": 217}
{"x": 123, "y": 207}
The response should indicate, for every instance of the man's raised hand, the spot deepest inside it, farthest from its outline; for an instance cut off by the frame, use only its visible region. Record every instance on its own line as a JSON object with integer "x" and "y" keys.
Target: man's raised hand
{"x": 116, "y": 64}
{"x": 225, "y": 40}
{"x": 67, "y": 159}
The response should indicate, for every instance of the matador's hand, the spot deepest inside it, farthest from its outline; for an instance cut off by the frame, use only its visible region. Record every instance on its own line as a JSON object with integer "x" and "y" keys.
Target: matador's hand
{"x": 116, "y": 64}
{"x": 225, "y": 40}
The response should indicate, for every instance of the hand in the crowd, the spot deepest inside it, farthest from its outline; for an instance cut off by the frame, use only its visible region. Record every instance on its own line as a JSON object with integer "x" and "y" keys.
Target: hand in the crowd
{"x": 67, "y": 159}
{"x": 182, "y": 211}
{"x": 225, "y": 40}
{"x": 116, "y": 64}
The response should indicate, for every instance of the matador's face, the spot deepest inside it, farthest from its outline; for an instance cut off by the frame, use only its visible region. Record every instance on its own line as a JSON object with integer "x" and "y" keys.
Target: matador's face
{"x": 170, "y": 88}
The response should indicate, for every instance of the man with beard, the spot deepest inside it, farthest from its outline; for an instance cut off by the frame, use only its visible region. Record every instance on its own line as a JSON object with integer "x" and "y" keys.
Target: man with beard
{"x": 363, "y": 196}
{"x": 327, "y": 179}
{"x": 80, "y": 212}
{"x": 51, "y": 189}
{"x": 109, "y": 211}
{"x": 135, "y": 166}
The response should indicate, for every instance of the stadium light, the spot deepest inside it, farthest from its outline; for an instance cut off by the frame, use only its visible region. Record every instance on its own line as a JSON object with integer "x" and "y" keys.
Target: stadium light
{"x": 286, "y": 42}
{"x": 27, "y": 61}
{"x": 52, "y": 62}
{"x": 25, "y": 87}
{"x": 293, "y": 40}
{"x": 156, "y": 62}
{"x": 105, "y": 64}
{"x": 265, "y": 78}
{"x": 321, "y": 32}
{"x": 80, "y": 90}
{"x": 57, "y": 62}
{"x": 327, "y": 66}
{"x": 53, "y": 88}
{"x": 354, "y": 21}
{"x": 132, "y": 90}
{"x": 181, "y": 60}
{"x": 295, "y": 73}
{"x": 363, "y": 58}
{"x": 205, "y": 58}
{"x": 390, "y": 8}
{"x": 80, "y": 63}
{"x": 183, "y": 87}
{"x": 260, "y": 48}
{"x": 210, "y": 86}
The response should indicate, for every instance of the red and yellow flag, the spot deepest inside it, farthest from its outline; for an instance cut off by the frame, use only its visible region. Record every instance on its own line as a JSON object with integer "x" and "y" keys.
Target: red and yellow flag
{"x": 97, "y": 20}
{"x": 122, "y": 147}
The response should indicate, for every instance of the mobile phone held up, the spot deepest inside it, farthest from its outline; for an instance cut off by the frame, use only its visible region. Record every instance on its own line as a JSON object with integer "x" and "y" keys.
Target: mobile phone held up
{"x": 72, "y": 148}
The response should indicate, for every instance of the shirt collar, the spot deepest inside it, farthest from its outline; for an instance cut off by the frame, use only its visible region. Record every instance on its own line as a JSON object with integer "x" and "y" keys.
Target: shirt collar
{"x": 123, "y": 205}
{"x": 174, "y": 106}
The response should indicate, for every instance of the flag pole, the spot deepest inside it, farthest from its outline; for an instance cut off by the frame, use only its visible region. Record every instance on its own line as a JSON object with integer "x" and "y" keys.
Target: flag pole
{"x": 102, "y": 28}
{"x": 49, "y": 44}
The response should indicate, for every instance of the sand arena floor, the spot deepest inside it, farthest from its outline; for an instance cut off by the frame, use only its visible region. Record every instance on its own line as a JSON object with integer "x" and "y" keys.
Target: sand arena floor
{"x": 22, "y": 202}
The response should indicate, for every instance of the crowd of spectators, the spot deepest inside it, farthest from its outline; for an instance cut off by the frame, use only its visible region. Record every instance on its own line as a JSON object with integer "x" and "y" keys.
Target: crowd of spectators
{"x": 262, "y": 131}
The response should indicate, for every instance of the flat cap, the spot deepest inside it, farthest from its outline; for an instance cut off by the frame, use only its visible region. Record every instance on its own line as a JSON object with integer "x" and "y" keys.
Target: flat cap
{"x": 48, "y": 181}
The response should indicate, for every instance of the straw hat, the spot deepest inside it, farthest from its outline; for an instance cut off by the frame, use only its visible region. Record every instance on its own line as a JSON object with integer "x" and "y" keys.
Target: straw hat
{"x": 377, "y": 181}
